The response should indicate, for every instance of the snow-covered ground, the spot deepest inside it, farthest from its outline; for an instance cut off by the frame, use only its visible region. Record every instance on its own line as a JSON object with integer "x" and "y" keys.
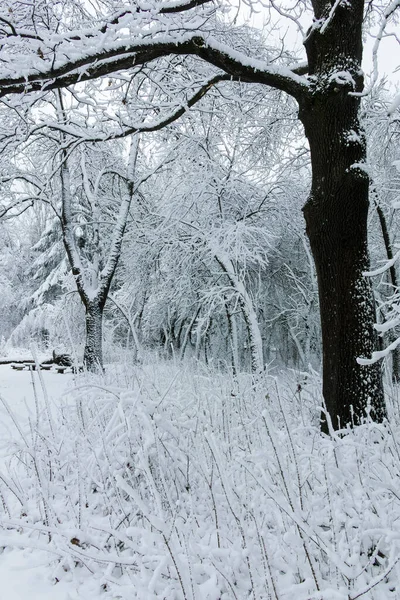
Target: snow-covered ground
{"x": 24, "y": 573}
{"x": 176, "y": 482}
{"x": 18, "y": 389}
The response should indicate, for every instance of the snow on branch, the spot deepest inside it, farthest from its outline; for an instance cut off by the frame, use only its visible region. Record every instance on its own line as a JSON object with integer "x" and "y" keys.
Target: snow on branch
{"x": 380, "y": 354}
{"x": 387, "y": 14}
{"x": 155, "y": 125}
{"x": 394, "y": 106}
{"x": 173, "y": 7}
{"x": 384, "y": 268}
{"x": 93, "y": 61}
{"x": 250, "y": 69}
{"x": 329, "y": 18}
{"x": 15, "y": 209}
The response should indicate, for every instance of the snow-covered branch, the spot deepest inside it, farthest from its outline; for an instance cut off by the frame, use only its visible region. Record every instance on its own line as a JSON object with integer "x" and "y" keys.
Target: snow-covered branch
{"x": 386, "y": 16}
{"x": 88, "y": 135}
{"x": 92, "y": 64}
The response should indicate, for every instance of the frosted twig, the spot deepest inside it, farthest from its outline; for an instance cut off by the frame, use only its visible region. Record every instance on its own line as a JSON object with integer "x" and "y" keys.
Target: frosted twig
{"x": 388, "y": 12}
{"x": 330, "y": 16}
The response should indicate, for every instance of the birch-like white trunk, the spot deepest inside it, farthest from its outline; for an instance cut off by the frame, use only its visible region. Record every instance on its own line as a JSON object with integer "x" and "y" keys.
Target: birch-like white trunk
{"x": 247, "y": 307}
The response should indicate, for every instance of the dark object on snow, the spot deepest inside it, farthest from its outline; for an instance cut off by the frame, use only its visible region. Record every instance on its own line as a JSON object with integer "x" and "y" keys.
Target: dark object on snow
{"x": 46, "y": 366}
{"x": 9, "y": 361}
{"x": 30, "y": 365}
{"x": 62, "y": 360}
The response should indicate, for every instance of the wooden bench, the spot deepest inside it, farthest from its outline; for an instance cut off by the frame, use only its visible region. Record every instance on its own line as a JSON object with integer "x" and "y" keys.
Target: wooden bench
{"x": 61, "y": 370}
{"x": 45, "y": 367}
{"x": 18, "y": 367}
{"x": 30, "y": 366}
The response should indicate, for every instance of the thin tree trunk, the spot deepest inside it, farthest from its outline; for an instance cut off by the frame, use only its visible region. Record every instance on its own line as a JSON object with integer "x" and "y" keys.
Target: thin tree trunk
{"x": 249, "y": 313}
{"x": 233, "y": 340}
{"x": 297, "y": 345}
{"x": 207, "y": 340}
{"x": 187, "y": 334}
{"x": 198, "y": 342}
{"x": 393, "y": 277}
{"x": 131, "y": 325}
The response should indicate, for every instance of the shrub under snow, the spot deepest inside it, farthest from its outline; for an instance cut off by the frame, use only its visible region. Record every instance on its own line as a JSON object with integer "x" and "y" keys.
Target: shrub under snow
{"x": 183, "y": 484}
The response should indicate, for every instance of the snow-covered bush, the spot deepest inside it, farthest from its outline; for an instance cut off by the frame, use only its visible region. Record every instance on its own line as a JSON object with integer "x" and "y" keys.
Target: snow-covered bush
{"x": 171, "y": 483}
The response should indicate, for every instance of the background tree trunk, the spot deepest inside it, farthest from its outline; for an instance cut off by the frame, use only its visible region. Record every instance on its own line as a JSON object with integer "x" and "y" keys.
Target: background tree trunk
{"x": 248, "y": 311}
{"x": 93, "y": 353}
{"x": 393, "y": 280}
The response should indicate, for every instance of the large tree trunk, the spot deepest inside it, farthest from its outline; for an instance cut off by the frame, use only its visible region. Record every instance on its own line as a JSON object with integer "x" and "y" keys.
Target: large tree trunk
{"x": 336, "y": 217}
{"x": 93, "y": 353}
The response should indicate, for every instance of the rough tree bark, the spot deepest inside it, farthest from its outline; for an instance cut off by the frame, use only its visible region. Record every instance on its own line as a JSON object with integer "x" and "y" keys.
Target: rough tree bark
{"x": 93, "y": 352}
{"x": 336, "y": 214}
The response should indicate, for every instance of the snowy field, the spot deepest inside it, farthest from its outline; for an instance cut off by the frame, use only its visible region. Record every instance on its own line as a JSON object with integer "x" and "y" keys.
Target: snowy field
{"x": 24, "y": 572}
{"x": 18, "y": 388}
{"x": 179, "y": 483}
